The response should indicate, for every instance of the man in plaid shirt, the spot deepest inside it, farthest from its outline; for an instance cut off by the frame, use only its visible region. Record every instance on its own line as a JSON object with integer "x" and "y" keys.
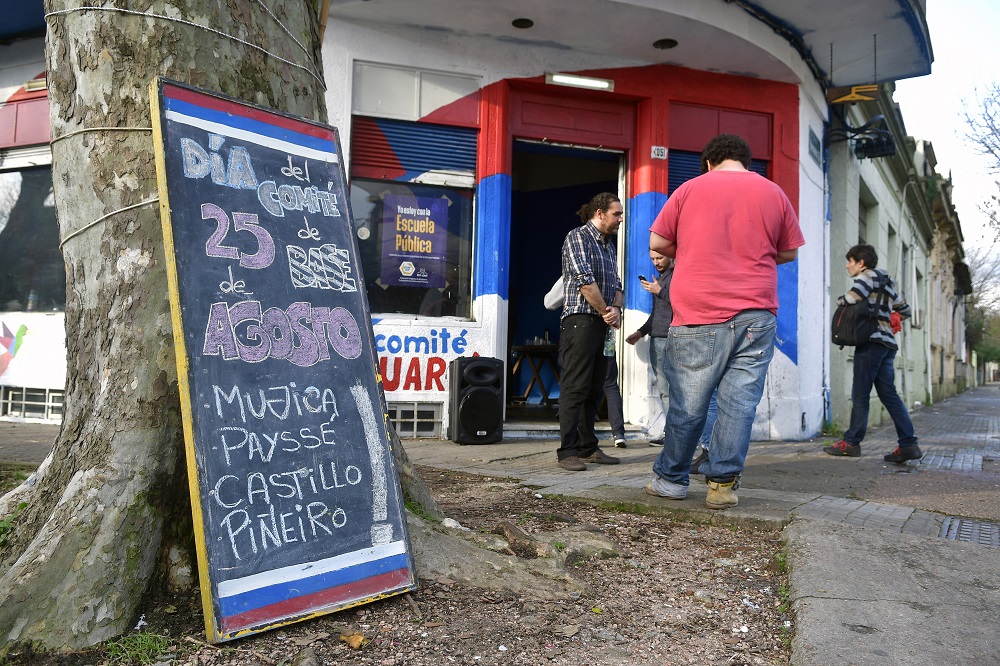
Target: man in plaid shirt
{"x": 592, "y": 305}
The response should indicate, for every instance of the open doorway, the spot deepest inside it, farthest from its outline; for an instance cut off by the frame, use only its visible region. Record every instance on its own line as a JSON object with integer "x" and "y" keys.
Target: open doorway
{"x": 549, "y": 184}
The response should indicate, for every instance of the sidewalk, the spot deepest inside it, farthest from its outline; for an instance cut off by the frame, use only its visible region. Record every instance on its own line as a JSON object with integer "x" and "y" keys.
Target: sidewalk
{"x": 886, "y": 562}
{"x": 890, "y": 564}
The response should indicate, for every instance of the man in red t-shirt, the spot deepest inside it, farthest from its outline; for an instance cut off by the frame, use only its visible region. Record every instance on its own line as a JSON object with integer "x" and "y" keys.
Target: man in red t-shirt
{"x": 727, "y": 229}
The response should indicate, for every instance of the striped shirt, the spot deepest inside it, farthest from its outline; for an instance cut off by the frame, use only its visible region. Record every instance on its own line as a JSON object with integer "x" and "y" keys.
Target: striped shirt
{"x": 866, "y": 285}
{"x": 588, "y": 257}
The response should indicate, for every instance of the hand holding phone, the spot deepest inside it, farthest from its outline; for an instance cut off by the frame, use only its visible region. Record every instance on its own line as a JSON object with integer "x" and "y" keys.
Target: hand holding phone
{"x": 652, "y": 287}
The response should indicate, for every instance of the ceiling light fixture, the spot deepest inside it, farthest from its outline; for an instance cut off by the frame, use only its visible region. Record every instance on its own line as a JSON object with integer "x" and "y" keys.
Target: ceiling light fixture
{"x": 575, "y": 81}
{"x": 664, "y": 44}
{"x": 35, "y": 84}
{"x": 522, "y": 23}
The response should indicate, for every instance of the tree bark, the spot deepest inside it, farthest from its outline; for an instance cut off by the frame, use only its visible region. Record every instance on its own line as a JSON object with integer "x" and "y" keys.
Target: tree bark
{"x": 415, "y": 493}
{"x": 109, "y": 508}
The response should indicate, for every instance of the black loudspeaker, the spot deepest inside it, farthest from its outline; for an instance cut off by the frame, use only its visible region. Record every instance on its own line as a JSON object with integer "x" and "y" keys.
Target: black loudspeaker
{"x": 476, "y": 414}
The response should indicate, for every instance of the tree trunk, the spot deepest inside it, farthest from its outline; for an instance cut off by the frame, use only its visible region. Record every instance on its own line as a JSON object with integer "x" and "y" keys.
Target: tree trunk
{"x": 109, "y": 508}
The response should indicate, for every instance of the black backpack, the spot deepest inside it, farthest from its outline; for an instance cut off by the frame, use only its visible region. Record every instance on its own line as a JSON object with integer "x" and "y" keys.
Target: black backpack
{"x": 854, "y": 324}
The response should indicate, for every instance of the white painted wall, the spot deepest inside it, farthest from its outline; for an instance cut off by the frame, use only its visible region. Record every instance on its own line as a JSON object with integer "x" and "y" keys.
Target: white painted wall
{"x": 492, "y": 61}
{"x": 793, "y": 406}
{"x": 799, "y": 412}
{"x": 40, "y": 361}
{"x": 20, "y": 62}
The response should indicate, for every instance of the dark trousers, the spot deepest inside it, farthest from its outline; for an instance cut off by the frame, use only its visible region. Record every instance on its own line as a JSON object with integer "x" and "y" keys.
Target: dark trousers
{"x": 582, "y": 370}
{"x": 873, "y": 365}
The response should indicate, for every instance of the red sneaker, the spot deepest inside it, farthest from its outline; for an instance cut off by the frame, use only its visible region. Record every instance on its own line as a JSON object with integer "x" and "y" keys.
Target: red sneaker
{"x": 842, "y": 448}
{"x": 904, "y": 453}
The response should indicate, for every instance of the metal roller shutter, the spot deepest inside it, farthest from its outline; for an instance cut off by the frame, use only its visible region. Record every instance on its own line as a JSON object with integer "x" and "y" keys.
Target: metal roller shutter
{"x": 402, "y": 150}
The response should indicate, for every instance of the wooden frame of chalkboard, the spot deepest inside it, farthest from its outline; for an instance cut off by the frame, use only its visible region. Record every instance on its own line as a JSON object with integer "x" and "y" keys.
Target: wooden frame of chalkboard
{"x": 294, "y": 491}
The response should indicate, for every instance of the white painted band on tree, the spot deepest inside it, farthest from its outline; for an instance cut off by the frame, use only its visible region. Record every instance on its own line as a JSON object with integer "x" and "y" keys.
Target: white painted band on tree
{"x": 100, "y": 129}
{"x": 282, "y": 25}
{"x": 104, "y": 217}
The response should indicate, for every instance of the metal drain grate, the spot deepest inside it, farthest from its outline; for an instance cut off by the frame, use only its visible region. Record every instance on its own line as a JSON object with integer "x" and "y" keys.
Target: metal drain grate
{"x": 959, "y": 460}
{"x": 970, "y": 531}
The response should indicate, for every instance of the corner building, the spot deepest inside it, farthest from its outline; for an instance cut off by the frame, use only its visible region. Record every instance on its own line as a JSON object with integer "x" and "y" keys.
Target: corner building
{"x": 467, "y": 102}
{"x": 474, "y": 130}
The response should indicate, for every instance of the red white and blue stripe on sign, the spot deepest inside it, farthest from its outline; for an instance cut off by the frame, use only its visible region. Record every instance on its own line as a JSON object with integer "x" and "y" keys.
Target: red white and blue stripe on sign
{"x": 239, "y": 121}
{"x": 269, "y": 596}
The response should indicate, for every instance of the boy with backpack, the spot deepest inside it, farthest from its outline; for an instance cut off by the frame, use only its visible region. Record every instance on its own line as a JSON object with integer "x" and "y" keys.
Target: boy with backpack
{"x": 873, "y": 360}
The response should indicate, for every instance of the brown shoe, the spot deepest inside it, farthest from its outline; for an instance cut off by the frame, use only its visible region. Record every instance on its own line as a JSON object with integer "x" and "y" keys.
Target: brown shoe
{"x": 601, "y": 458}
{"x": 721, "y": 495}
{"x": 572, "y": 464}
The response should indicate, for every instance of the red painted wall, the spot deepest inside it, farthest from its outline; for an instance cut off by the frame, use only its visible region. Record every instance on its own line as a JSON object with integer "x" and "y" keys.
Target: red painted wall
{"x": 674, "y": 107}
{"x": 24, "y": 118}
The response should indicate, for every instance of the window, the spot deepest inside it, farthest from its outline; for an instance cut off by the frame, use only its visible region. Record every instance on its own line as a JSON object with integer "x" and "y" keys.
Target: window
{"x": 868, "y": 219}
{"x": 862, "y": 223}
{"x": 32, "y": 275}
{"x": 902, "y": 269}
{"x": 416, "y": 419}
{"x": 894, "y": 260}
{"x": 407, "y": 93}
{"x": 31, "y": 403}
{"x": 412, "y": 188}
{"x": 683, "y": 165}
{"x": 415, "y": 243}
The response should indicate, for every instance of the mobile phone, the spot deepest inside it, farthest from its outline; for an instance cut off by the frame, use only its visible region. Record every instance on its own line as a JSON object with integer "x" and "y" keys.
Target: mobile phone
{"x": 643, "y": 278}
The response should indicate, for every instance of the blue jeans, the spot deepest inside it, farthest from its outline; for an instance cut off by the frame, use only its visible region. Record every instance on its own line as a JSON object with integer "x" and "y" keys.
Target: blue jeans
{"x": 731, "y": 357}
{"x": 710, "y": 418}
{"x": 613, "y": 394}
{"x": 873, "y": 365}
{"x": 658, "y": 359}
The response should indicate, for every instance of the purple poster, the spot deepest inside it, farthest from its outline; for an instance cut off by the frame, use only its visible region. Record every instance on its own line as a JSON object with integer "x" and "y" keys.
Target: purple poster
{"x": 414, "y": 241}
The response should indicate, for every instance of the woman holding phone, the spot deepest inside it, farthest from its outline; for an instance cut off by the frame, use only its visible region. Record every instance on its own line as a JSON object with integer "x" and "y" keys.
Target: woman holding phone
{"x": 658, "y": 324}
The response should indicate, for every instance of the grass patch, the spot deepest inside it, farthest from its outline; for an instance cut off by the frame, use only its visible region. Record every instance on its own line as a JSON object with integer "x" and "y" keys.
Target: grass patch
{"x": 780, "y": 561}
{"x": 11, "y": 477}
{"x": 830, "y": 429}
{"x": 785, "y": 635}
{"x": 140, "y": 648}
{"x": 416, "y": 509}
{"x": 784, "y": 596}
{"x": 7, "y": 523}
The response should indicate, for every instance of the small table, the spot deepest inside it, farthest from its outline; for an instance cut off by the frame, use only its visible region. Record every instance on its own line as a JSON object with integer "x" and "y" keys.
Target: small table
{"x": 538, "y": 356}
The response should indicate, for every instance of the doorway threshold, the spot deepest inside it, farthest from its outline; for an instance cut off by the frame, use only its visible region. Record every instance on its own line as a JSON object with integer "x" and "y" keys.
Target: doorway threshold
{"x": 527, "y": 429}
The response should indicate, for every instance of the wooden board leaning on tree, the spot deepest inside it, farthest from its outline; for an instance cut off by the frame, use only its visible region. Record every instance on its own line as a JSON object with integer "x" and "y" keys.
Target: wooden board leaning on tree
{"x": 296, "y": 499}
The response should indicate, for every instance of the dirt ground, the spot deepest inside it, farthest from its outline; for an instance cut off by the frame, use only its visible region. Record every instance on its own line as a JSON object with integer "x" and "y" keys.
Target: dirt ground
{"x": 672, "y": 593}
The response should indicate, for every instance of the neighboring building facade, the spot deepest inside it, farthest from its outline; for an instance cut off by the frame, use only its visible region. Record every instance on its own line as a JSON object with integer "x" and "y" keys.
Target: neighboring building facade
{"x": 879, "y": 201}
{"x": 952, "y": 368}
{"x": 468, "y": 158}
{"x": 32, "y": 277}
{"x": 898, "y": 203}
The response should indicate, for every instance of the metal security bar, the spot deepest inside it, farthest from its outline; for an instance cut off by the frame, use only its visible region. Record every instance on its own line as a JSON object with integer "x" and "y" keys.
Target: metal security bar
{"x": 31, "y": 403}
{"x": 416, "y": 419}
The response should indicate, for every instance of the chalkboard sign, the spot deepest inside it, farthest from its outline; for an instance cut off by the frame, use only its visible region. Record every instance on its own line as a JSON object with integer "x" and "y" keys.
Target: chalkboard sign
{"x": 296, "y": 499}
